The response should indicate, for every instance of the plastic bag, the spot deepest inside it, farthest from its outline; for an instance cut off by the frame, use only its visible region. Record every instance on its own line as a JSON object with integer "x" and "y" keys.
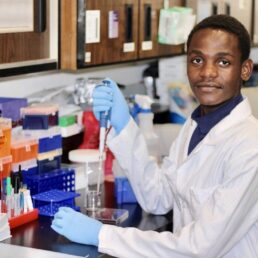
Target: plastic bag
{"x": 175, "y": 25}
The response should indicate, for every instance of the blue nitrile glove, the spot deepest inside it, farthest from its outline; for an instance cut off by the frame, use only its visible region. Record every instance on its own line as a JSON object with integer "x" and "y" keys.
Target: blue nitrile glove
{"x": 110, "y": 98}
{"x": 76, "y": 226}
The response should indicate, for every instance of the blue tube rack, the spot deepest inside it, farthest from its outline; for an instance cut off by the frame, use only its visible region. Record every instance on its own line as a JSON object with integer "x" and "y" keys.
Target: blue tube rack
{"x": 61, "y": 179}
{"x": 49, "y": 202}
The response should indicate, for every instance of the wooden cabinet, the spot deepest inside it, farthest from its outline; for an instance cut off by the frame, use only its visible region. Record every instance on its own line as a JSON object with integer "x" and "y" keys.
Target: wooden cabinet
{"x": 106, "y": 32}
{"x": 30, "y": 44}
{"x": 148, "y": 30}
{"x": 106, "y": 46}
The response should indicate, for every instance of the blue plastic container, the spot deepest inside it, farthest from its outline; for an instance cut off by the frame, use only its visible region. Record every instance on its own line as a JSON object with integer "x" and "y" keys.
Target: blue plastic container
{"x": 50, "y": 143}
{"x": 26, "y": 174}
{"x": 61, "y": 179}
{"x": 49, "y": 202}
{"x": 47, "y": 165}
{"x": 123, "y": 191}
{"x": 176, "y": 118}
{"x": 38, "y": 122}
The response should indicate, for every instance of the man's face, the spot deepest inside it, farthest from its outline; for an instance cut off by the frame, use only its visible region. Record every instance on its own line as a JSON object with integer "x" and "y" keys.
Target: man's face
{"x": 214, "y": 66}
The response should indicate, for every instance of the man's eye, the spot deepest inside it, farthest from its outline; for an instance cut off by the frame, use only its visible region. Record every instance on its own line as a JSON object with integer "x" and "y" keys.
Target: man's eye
{"x": 224, "y": 63}
{"x": 197, "y": 60}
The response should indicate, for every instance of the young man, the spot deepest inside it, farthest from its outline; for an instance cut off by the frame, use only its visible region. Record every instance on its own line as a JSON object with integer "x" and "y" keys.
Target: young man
{"x": 209, "y": 179}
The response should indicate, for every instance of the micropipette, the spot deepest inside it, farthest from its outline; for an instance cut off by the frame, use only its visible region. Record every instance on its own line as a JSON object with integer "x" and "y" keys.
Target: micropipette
{"x": 103, "y": 120}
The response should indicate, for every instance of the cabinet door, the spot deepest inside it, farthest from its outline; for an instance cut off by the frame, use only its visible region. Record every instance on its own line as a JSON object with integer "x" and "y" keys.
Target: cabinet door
{"x": 118, "y": 31}
{"x": 148, "y": 30}
{"x": 25, "y": 41}
{"x": 98, "y": 32}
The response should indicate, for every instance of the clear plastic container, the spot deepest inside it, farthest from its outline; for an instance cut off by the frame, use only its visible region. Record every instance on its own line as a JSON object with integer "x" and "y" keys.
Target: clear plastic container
{"x": 152, "y": 140}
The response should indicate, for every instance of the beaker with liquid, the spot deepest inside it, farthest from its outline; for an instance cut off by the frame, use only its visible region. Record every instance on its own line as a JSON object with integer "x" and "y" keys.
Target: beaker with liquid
{"x": 92, "y": 171}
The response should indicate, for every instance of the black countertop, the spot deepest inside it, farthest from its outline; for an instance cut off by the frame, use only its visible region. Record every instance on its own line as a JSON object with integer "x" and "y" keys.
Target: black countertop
{"x": 38, "y": 234}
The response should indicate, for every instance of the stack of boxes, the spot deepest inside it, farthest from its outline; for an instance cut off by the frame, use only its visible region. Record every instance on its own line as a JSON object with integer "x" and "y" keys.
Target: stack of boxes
{"x": 33, "y": 155}
{"x": 24, "y": 152}
{"x": 11, "y": 198}
{"x": 41, "y": 123}
{"x": 9, "y": 117}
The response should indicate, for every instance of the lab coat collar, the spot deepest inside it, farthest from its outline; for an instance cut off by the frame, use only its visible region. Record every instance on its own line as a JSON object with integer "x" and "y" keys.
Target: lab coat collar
{"x": 207, "y": 122}
{"x": 221, "y": 130}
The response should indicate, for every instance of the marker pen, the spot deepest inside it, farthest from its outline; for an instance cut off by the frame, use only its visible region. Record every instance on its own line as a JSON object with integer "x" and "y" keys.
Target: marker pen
{"x": 17, "y": 209}
{"x": 20, "y": 176}
{"x": 21, "y": 201}
{"x": 8, "y": 197}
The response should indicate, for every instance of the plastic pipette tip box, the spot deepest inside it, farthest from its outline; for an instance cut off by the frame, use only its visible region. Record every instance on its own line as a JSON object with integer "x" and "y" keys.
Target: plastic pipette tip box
{"x": 24, "y": 218}
{"x": 5, "y": 136}
{"x": 49, "y": 202}
{"x": 49, "y": 164}
{"x": 23, "y": 149}
{"x": 39, "y": 116}
{"x": 5, "y": 166}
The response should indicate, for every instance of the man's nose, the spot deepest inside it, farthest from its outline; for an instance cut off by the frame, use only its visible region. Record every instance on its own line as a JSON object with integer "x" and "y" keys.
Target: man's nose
{"x": 209, "y": 70}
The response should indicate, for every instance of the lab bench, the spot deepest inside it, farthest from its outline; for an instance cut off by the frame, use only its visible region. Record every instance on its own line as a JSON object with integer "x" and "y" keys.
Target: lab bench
{"x": 38, "y": 235}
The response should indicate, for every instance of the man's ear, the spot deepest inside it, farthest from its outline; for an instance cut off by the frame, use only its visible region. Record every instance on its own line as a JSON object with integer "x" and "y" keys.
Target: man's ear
{"x": 246, "y": 70}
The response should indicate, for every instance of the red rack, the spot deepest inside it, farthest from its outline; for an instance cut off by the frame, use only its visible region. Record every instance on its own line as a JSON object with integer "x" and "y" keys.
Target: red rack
{"x": 23, "y": 218}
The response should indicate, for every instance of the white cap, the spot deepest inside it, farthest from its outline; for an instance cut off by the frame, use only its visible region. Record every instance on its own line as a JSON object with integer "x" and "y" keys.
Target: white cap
{"x": 84, "y": 155}
{"x": 143, "y": 101}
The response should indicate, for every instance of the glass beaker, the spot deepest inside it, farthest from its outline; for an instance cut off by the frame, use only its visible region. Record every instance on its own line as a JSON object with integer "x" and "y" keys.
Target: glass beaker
{"x": 93, "y": 200}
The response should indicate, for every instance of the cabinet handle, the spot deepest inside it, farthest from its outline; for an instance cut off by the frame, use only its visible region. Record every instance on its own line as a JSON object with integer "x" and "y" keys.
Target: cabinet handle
{"x": 227, "y": 9}
{"x": 128, "y": 23}
{"x": 147, "y": 22}
{"x": 214, "y": 9}
{"x": 40, "y": 13}
{"x": 81, "y": 33}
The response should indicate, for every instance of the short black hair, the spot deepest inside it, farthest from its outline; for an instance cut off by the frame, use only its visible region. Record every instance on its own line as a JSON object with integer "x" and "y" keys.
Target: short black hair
{"x": 228, "y": 24}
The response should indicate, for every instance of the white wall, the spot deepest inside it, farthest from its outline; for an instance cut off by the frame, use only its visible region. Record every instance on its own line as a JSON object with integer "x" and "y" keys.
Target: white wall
{"x": 24, "y": 85}
{"x": 254, "y": 54}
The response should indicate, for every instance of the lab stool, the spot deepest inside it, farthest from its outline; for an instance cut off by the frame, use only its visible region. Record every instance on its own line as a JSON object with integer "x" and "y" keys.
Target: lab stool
{"x": 90, "y": 159}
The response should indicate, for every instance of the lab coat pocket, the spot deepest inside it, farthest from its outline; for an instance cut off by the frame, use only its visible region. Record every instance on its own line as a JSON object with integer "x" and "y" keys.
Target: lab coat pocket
{"x": 198, "y": 197}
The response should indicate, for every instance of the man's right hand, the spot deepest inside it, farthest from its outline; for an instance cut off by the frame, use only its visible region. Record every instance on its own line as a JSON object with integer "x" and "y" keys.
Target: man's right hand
{"x": 109, "y": 98}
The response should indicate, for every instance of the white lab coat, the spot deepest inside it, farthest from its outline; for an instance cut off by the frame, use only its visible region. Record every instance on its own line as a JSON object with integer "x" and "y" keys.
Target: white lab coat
{"x": 213, "y": 192}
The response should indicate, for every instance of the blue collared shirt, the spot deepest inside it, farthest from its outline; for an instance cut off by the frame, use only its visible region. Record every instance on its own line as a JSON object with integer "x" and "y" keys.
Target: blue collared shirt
{"x": 205, "y": 123}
